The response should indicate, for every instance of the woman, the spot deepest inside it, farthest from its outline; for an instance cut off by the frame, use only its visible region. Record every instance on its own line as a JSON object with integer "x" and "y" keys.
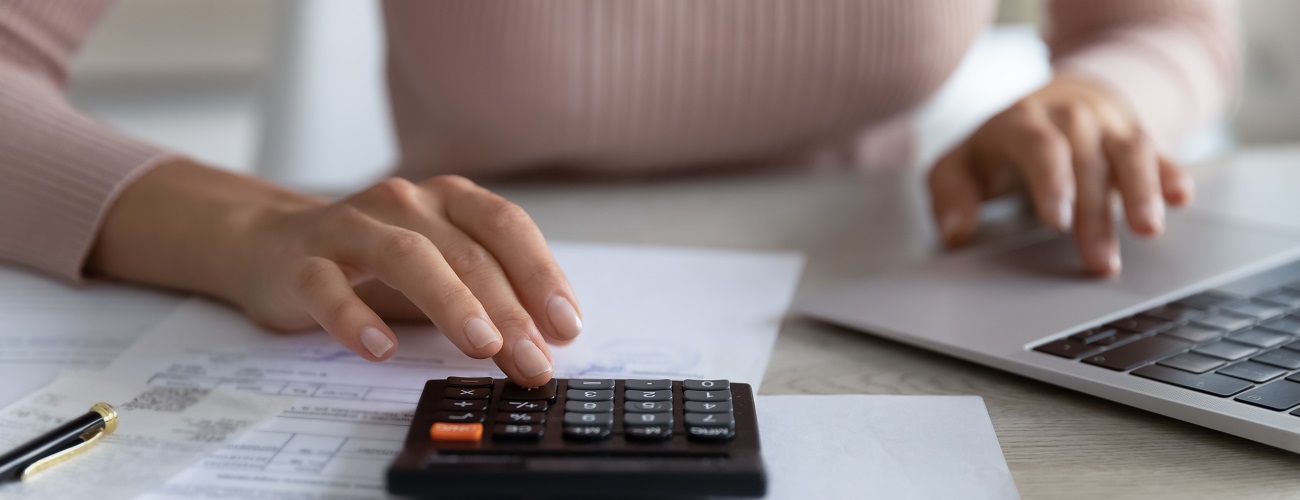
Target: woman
{"x": 499, "y": 86}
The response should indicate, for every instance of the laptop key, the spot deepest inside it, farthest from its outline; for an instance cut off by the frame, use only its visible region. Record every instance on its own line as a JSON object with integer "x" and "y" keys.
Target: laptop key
{"x": 1118, "y": 338}
{"x": 1252, "y": 371}
{"x": 1140, "y": 324}
{"x": 1208, "y": 300}
{"x": 1175, "y": 313}
{"x": 1196, "y": 333}
{"x": 1227, "y": 321}
{"x": 1260, "y": 338}
{"x": 1283, "y": 296}
{"x": 1281, "y": 358}
{"x": 1194, "y": 363}
{"x": 1289, "y": 324}
{"x": 1261, "y": 311}
{"x": 1067, "y": 348}
{"x": 1230, "y": 351}
{"x": 1276, "y": 396}
{"x": 1138, "y": 353}
{"x": 1209, "y": 383}
{"x": 1093, "y": 334}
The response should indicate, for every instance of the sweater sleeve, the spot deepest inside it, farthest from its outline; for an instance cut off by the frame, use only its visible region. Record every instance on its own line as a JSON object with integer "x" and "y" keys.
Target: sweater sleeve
{"x": 1175, "y": 62}
{"x": 60, "y": 170}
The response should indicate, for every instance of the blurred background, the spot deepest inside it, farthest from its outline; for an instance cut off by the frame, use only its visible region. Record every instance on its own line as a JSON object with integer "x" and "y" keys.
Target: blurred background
{"x": 246, "y": 83}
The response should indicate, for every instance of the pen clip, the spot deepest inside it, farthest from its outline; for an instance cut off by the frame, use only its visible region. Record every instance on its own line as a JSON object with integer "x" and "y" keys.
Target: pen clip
{"x": 88, "y": 439}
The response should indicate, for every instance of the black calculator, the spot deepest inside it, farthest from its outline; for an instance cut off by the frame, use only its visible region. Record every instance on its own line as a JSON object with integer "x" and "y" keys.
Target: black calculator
{"x": 479, "y": 437}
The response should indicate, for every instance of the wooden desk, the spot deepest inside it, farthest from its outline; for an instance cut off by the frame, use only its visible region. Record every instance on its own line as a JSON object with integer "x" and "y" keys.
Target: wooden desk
{"x": 1058, "y": 443}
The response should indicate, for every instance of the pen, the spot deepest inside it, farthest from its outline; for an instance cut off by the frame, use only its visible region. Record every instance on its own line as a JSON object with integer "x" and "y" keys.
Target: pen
{"x": 58, "y": 445}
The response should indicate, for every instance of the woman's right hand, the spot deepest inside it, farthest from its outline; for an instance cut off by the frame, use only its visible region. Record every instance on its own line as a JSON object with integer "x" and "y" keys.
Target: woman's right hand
{"x": 444, "y": 249}
{"x": 471, "y": 262}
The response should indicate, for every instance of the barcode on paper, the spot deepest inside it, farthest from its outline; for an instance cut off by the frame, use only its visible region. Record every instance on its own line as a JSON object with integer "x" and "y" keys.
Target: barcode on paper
{"x": 167, "y": 399}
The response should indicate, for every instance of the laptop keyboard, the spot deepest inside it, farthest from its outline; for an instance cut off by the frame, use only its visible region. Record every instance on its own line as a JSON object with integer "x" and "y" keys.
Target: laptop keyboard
{"x": 1225, "y": 345}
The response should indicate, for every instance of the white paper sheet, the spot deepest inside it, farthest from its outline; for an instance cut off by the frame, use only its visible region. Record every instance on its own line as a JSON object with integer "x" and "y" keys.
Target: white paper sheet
{"x": 47, "y": 326}
{"x": 888, "y": 447}
{"x": 648, "y": 312}
{"x": 161, "y": 430}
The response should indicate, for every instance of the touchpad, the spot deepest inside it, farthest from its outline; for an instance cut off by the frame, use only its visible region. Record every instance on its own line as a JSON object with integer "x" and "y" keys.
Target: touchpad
{"x": 1194, "y": 248}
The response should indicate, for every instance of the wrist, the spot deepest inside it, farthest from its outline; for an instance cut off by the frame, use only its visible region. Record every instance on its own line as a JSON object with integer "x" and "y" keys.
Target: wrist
{"x": 189, "y": 227}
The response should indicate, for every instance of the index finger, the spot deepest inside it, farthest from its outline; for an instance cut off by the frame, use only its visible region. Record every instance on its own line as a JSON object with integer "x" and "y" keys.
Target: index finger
{"x": 506, "y": 231}
{"x": 1027, "y": 138}
{"x": 408, "y": 262}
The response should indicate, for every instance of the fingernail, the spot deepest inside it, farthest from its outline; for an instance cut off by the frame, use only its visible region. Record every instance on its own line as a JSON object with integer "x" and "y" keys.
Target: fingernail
{"x": 480, "y": 333}
{"x": 1113, "y": 263}
{"x": 1152, "y": 214}
{"x": 1189, "y": 189}
{"x": 949, "y": 224}
{"x": 1103, "y": 260}
{"x": 564, "y": 317}
{"x": 530, "y": 359}
{"x": 1065, "y": 214}
{"x": 376, "y": 342}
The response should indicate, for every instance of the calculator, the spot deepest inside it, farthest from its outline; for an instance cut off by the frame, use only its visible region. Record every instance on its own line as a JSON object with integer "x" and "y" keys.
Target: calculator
{"x": 479, "y": 437}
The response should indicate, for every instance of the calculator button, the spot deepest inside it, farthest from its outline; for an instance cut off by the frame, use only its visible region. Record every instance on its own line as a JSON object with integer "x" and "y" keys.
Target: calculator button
{"x": 710, "y": 420}
{"x": 586, "y": 432}
{"x": 599, "y": 395}
{"x": 589, "y": 383}
{"x": 469, "y": 381}
{"x": 648, "y": 385}
{"x": 589, "y": 406}
{"x": 512, "y": 417}
{"x": 524, "y": 405}
{"x": 649, "y": 433}
{"x": 466, "y": 393}
{"x": 458, "y": 416}
{"x": 703, "y": 407}
{"x": 648, "y": 395}
{"x": 605, "y": 419}
{"x": 710, "y": 433}
{"x": 707, "y": 396}
{"x": 463, "y": 404}
{"x": 647, "y": 406}
{"x": 705, "y": 385}
{"x": 517, "y": 393}
{"x": 639, "y": 419}
{"x": 518, "y": 431}
{"x": 443, "y": 431}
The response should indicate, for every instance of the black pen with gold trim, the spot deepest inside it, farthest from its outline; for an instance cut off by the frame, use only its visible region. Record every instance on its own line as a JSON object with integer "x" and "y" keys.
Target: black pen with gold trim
{"x": 60, "y": 444}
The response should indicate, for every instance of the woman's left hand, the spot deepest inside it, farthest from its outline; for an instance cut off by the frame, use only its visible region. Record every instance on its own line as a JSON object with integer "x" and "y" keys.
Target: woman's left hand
{"x": 1070, "y": 144}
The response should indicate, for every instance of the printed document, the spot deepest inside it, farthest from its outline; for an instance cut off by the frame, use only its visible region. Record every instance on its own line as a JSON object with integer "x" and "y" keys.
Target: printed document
{"x": 161, "y": 430}
{"x": 47, "y": 326}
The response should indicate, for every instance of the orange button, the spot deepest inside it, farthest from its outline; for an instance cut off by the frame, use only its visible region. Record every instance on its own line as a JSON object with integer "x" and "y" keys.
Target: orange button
{"x": 443, "y": 431}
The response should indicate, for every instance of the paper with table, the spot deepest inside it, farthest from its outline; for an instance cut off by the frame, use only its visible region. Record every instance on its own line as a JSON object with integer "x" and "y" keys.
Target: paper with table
{"x": 894, "y": 447}
{"x": 648, "y": 313}
{"x": 161, "y": 430}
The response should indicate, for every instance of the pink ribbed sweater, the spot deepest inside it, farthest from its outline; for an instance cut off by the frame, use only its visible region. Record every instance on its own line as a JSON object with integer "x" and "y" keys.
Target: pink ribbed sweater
{"x": 490, "y": 86}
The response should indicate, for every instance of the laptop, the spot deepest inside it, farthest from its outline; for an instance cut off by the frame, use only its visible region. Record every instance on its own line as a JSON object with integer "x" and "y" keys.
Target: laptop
{"x": 1202, "y": 324}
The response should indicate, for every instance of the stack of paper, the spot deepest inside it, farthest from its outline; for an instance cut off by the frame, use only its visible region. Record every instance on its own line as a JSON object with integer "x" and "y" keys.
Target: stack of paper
{"x": 648, "y": 313}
